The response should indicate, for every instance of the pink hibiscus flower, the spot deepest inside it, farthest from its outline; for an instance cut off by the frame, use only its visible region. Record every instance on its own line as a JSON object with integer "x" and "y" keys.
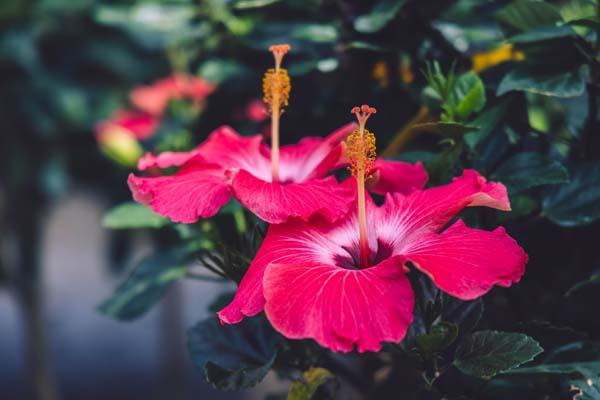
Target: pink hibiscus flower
{"x": 137, "y": 124}
{"x": 343, "y": 283}
{"x": 154, "y": 98}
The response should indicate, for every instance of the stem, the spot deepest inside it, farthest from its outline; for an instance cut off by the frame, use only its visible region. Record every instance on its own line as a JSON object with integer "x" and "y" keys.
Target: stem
{"x": 362, "y": 221}
{"x": 275, "y": 114}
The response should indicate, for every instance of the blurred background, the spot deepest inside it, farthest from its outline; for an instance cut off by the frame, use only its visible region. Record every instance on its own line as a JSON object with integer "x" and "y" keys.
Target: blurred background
{"x": 68, "y": 73}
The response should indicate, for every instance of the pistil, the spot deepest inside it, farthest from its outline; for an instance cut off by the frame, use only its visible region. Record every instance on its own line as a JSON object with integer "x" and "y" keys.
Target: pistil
{"x": 276, "y": 93}
{"x": 360, "y": 150}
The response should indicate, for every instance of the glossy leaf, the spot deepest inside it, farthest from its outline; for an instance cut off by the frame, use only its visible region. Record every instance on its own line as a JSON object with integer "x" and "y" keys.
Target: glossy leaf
{"x": 543, "y": 33}
{"x": 582, "y": 369}
{"x": 578, "y": 201}
{"x": 523, "y": 15}
{"x": 529, "y": 169}
{"x": 233, "y": 356}
{"x": 469, "y": 93}
{"x": 488, "y": 353}
{"x": 558, "y": 84}
{"x": 132, "y": 216}
{"x": 145, "y": 286}
{"x": 382, "y": 12}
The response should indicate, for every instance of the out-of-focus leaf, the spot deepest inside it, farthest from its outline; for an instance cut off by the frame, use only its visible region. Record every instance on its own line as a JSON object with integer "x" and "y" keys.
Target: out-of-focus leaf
{"x": 248, "y": 4}
{"x": 313, "y": 378}
{"x": 485, "y": 123}
{"x": 132, "y": 216}
{"x": 523, "y": 15}
{"x": 587, "y": 389}
{"x": 582, "y": 369}
{"x": 441, "y": 336}
{"x": 145, "y": 286}
{"x": 218, "y": 70}
{"x": 469, "y": 93}
{"x": 233, "y": 356}
{"x": 589, "y": 22}
{"x": 577, "y": 202}
{"x": 559, "y": 84}
{"x": 543, "y": 33}
{"x": 382, "y": 12}
{"x": 488, "y": 353}
{"x": 453, "y": 130}
{"x": 362, "y": 45}
{"x": 529, "y": 169}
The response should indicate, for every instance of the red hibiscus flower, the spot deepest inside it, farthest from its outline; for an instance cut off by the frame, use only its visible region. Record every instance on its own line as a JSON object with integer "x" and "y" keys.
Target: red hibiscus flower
{"x": 344, "y": 284}
{"x": 154, "y": 98}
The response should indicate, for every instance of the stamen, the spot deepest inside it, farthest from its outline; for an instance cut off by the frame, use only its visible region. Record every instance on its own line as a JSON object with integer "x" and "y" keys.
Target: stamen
{"x": 276, "y": 93}
{"x": 361, "y": 152}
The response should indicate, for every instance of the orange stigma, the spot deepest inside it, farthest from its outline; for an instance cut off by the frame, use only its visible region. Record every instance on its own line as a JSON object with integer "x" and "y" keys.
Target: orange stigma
{"x": 276, "y": 94}
{"x": 360, "y": 151}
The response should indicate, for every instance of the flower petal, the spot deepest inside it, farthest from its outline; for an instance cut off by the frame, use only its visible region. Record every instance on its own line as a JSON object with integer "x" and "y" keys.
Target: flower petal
{"x": 396, "y": 177}
{"x": 312, "y": 157}
{"x": 197, "y": 190}
{"x": 227, "y": 148}
{"x": 404, "y": 219}
{"x": 467, "y": 262}
{"x": 337, "y": 307}
{"x": 316, "y": 242}
{"x": 165, "y": 159}
{"x": 276, "y": 202}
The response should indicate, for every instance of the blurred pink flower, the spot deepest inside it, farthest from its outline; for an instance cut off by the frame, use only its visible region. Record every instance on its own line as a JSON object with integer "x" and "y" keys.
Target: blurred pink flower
{"x": 154, "y": 98}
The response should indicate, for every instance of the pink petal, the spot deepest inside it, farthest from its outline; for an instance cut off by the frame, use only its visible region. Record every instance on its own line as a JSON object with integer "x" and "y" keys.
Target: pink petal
{"x": 165, "y": 159}
{"x": 404, "y": 219}
{"x": 315, "y": 242}
{"x": 140, "y": 125}
{"x": 467, "y": 262}
{"x": 276, "y": 202}
{"x": 396, "y": 177}
{"x": 227, "y": 148}
{"x": 197, "y": 190}
{"x": 339, "y": 308}
{"x": 312, "y": 157}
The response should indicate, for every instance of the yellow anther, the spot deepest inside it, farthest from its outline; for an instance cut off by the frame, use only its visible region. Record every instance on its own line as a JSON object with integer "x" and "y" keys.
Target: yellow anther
{"x": 276, "y": 88}
{"x": 361, "y": 151}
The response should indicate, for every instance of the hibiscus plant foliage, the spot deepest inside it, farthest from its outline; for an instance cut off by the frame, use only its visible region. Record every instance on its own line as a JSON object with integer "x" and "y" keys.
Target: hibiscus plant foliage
{"x": 446, "y": 248}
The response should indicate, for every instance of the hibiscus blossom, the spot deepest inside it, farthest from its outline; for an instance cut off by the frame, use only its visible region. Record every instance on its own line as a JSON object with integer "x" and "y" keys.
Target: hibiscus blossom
{"x": 154, "y": 98}
{"x": 119, "y": 135}
{"x": 343, "y": 283}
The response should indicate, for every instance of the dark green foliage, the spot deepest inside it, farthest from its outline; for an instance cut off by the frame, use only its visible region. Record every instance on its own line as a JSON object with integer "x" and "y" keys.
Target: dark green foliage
{"x": 488, "y": 353}
{"x": 233, "y": 356}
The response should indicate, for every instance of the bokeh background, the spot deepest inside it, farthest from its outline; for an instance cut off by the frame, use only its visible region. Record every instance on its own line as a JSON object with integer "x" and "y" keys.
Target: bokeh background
{"x": 65, "y": 65}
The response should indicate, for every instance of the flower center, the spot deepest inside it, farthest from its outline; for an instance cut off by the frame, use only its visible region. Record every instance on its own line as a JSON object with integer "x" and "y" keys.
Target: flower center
{"x": 276, "y": 93}
{"x": 360, "y": 151}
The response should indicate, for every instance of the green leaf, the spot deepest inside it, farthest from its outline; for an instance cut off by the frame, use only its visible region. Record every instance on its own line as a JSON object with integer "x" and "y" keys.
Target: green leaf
{"x": 441, "y": 336}
{"x": 233, "y": 356}
{"x": 452, "y": 130}
{"x": 486, "y": 122}
{"x": 577, "y": 202}
{"x": 379, "y": 16}
{"x": 469, "y": 94}
{"x": 588, "y": 389}
{"x": 218, "y": 70}
{"x": 529, "y": 169}
{"x": 145, "y": 286}
{"x": 588, "y": 22}
{"x": 488, "y": 353}
{"x": 543, "y": 33}
{"x": 559, "y": 84}
{"x": 523, "y": 15}
{"x": 132, "y": 216}
{"x": 313, "y": 378}
{"x": 248, "y": 4}
{"x": 583, "y": 369}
